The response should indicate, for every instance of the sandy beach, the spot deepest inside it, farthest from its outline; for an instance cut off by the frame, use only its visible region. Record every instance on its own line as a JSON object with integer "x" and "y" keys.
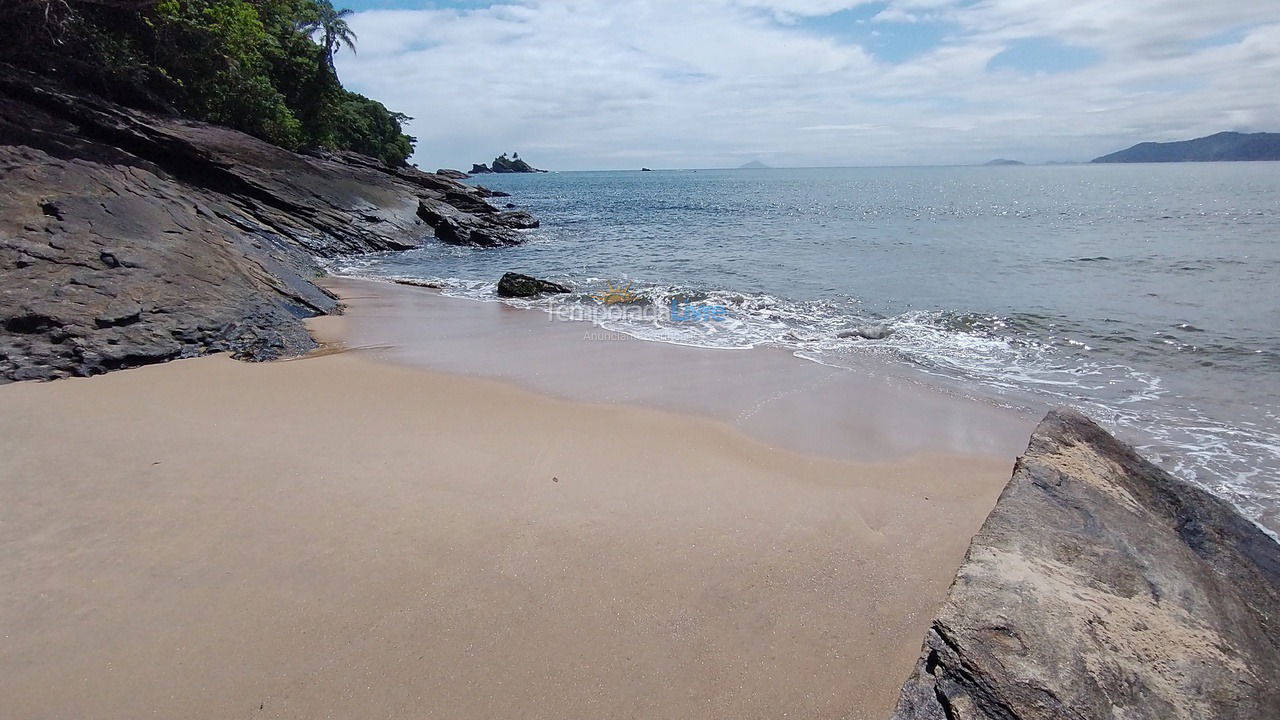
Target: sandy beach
{"x": 344, "y": 536}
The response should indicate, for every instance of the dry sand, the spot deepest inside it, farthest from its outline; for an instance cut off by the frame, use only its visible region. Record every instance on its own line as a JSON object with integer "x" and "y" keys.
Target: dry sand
{"x": 339, "y": 537}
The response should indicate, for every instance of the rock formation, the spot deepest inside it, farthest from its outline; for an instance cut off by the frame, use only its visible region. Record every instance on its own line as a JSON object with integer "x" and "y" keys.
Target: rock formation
{"x": 504, "y": 164}
{"x": 515, "y": 285}
{"x": 451, "y": 174}
{"x": 1102, "y": 587}
{"x": 128, "y": 238}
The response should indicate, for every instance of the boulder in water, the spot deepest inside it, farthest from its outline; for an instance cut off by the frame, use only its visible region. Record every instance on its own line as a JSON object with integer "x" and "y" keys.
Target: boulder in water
{"x": 517, "y": 219}
{"x": 515, "y": 285}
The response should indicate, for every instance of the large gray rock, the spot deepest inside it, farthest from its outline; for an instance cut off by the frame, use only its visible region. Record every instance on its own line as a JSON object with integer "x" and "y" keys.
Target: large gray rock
{"x": 1102, "y": 587}
{"x": 128, "y": 238}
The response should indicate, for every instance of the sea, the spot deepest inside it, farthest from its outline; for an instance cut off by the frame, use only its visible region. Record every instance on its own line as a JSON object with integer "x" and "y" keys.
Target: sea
{"x": 1146, "y": 295}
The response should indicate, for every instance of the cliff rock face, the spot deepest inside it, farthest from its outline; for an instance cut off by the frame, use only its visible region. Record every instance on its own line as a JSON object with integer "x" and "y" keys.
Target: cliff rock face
{"x": 128, "y": 238}
{"x": 1102, "y": 587}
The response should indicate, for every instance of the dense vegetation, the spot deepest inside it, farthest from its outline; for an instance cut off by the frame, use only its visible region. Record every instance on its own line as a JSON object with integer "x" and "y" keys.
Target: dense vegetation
{"x": 261, "y": 66}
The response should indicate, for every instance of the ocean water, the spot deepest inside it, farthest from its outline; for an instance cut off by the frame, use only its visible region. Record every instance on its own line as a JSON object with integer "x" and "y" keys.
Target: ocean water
{"x": 1146, "y": 295}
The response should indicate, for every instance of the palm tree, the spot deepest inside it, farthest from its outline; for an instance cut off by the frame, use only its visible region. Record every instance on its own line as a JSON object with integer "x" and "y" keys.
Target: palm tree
{"x": 334, "y": 30}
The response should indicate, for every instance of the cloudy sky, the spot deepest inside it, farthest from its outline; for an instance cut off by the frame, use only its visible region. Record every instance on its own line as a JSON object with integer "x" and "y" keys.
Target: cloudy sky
{"x": 602, "y": 84}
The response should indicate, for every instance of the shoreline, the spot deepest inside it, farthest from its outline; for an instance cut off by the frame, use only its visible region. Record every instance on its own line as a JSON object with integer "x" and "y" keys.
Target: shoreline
{"x": 341, "y": 535}
{"x": 396, "y": 322}
{"x": 466, "y": 510}
{"x": 874, "y": 412}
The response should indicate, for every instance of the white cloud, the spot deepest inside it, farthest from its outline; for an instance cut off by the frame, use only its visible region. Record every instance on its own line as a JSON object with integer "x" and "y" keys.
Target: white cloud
{"x": 599, "y": 84}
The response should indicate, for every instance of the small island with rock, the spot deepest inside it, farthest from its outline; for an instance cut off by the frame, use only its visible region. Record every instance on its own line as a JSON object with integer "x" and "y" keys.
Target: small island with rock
{"x": 504, "y": 164}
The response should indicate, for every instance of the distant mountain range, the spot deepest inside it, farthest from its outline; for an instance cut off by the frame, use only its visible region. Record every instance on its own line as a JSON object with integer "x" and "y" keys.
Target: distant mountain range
{"x": 1003, "y": 161}
{"x": 753, "y": 165}
{"x": 1222, "y": 146}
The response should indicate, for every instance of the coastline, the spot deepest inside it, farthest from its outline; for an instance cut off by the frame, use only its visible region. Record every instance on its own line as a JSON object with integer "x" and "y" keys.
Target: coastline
{"x": 432, "y": 507}
{"x": 341, "y": 535}
{"x": 879, "y": 412}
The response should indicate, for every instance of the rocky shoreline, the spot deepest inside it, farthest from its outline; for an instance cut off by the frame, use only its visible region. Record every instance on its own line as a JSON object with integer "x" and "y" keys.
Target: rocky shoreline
{"x": 129, "y": 238}
{"x": 1101, "y": 586}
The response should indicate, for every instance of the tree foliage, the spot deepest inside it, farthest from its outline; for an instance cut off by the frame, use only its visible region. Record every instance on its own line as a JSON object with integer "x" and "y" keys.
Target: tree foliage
{"x": 261, "y": 66}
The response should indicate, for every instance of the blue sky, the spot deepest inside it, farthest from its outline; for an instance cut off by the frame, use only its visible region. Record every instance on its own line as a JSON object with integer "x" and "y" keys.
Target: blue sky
{"x": 582, "y": 84}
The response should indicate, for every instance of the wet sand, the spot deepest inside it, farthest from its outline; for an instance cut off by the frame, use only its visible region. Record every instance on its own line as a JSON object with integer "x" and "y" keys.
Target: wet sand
{"x": 878, "y": 412}
{"x": 342, "y": 537}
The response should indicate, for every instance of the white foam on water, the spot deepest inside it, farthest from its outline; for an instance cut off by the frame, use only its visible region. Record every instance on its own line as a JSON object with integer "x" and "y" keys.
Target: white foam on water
{"x": 986, "y": 354}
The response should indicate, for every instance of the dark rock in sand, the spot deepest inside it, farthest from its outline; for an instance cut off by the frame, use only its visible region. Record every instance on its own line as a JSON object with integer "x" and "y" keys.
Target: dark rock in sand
{"x": 452, "y": 174}
{"x": 516, "y": 285}
{"x": 128, "y": 238}
{"x": 414, "y": 282}
{"x": 1102, "y": 587}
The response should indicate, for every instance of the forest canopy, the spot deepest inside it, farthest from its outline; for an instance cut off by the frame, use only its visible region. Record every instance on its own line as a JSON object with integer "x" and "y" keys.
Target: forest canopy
{"x": 261, "y": 66}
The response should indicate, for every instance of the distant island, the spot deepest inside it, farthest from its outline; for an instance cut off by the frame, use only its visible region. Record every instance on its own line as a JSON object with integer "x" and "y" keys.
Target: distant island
{"x": 753, "y": 165}
{"x": 1223, "y": 146}
{"x": 1002, "y": 161}
{"x": 504, "y": 164}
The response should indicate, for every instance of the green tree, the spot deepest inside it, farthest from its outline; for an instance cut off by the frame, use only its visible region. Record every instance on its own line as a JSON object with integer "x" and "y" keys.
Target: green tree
{"x": 261, "y": 66}
{"x": 333, "y": 28}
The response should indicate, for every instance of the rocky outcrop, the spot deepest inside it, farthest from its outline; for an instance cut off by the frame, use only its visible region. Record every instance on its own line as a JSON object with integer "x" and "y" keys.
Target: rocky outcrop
{"x": 515, "y": 285}
{"x": 451, "y": 174}
{"x": 481, "y": 225}
{"x": 1102, "y": 587}
{"x": 504, "y": 164}
{"x": 517, "y": 219}
{"x": 128, "y": 238}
